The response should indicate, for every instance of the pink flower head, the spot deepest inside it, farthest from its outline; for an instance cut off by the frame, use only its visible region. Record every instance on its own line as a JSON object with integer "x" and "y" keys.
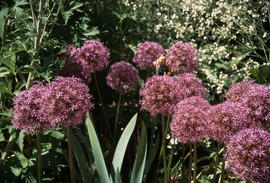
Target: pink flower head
{"x": 189, "y": 120}
{"x": 182, "y": 57}
{"x": 248, "y": 155}
{"x": 146, "y": 54}
{"x": 74, "y": 66}
{"x": 71, "y": 50}
{"x": 95, "y": 54}
{"x": 226, "y": 119}
{"x": 257, "y": 100}
{"x": 238, "y": 90}
{"x": 26, "y": 110}
{"x": 189, "y": 85}
{"x": 160, "y": 95}
{"x": 66, "y": 102}
{"x": 123, "y": 77}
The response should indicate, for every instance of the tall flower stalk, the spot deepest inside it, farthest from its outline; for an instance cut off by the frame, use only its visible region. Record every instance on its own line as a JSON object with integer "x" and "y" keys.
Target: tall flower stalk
{"x": 70, "y": 156}
{"x": 164, "y": 135}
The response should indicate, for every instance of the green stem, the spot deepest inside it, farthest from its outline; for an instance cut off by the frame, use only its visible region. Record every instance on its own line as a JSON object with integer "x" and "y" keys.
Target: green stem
{"x": 170, "y": 161}
{"x": 190, "y": 163}
{"x": 183, "y": 161}
{"x": 216, "y": 163}
{"x": 117, "y": 116}
{"x": 39, "y": 164}
{"x": 102, "y": 105}
{"x": 222, "y": 171}
{"x": 164, "y": 135}
{"x": 195, "y": 163}
{"x": 70, "y": 157}
{"x": 37, "y": 39}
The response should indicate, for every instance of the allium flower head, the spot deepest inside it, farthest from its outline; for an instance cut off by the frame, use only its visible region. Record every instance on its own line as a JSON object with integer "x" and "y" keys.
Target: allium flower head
{"x": 66, "y": 102}
{"x": 189, "y": 120}
{"x": 76, "y": 68}
{"x": 226, "y": 119}
{"x": 189, "y": 85}
{"x": 182, "y": 57}
{"x": 146, "y": 54}
{"x": 248, "y": 155}
{"x": 71, "y": 50}
{"x": 26, "y": 110}
{"x": 95, "y": 54}
{"x": 123, "y": 77}
{"x": 257, "y": 100}
{"x": 238, "y": 90}
{"x": 160, "y": 95}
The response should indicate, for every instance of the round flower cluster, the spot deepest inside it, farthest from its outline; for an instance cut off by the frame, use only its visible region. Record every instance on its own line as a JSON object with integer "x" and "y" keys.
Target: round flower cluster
{"x": 189, "y": 121}
{"x": 76, "y": 68}
{"x": 95, "y": 54}
{"x": 226, "y": 119}
{"x": 182, "y": 57}
{"x": 160, "y": 95}
{"x": 248, "y": 155}
{"x": 66, "y": 101}
{"x": 26, "y": 110}
{"x": 146, "y": 54}
{"x": 238, "y": 90}
{"x": 123, "y": 77}
{"x": 257, "y": 99}
{"x": 189, "y": 85}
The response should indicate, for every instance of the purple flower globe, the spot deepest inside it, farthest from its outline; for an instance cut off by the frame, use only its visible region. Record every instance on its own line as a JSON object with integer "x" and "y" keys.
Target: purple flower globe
{"x": 76, "y": 68}
{"x": 189, "y": 85}
{"x": 248, "y": 155}
{"x": 182, "y": 57}
{"x": 123, "y": 77}
{"x": 95, "y": 54}
{"x": 146, "y": 54}
{"x": 189, "y": 120}
{"x": 26, "y": 110}
{"x": 66, "y": 102}
{"x": 226, "y": 119}
{"x": 257, "y": 100}
{"x": 238, "y": 90}
{"x": 160, "y": 95}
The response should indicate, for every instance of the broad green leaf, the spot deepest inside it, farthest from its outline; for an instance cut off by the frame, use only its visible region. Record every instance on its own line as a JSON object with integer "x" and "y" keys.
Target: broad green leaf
{"x": 20, "y": 139}
{"x": 80, "y": 158}
{"x": 122, "y": 144}
{"x": 97, "y": 152}
{"x": 3, "y": 15}
{"x": 92, "y": 32}
{"x": 2, "y": 137}
{"x": 15, "y": 170}
{"x": 117, "y": 178}
{"x": 138, "y": 167}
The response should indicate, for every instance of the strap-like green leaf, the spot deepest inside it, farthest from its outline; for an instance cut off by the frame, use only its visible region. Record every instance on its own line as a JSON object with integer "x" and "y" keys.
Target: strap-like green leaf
{"x": 80, "y": 158}
{"x": 98, "y": 156}
{"x": 122, "y": 144}
{"x": 138, "y": 167}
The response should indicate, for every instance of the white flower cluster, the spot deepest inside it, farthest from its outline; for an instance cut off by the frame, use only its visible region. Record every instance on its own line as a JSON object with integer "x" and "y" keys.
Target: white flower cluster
{"x": 215, "y": 27}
